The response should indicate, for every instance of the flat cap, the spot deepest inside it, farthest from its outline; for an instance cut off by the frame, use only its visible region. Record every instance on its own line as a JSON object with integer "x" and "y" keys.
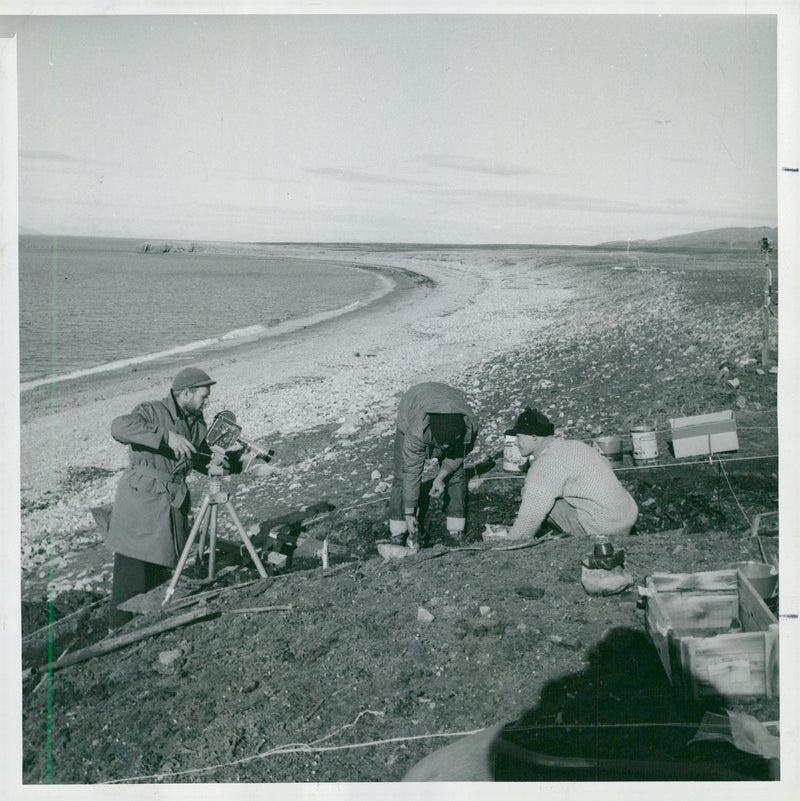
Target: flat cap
{"x": 191, "y": 377}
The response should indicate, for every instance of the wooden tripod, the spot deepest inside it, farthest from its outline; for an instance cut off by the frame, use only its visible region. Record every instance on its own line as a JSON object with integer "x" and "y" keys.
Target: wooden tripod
{"x": 206, "y": 521}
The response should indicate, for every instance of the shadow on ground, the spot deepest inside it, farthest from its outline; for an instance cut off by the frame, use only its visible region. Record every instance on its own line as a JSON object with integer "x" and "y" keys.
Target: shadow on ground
{"x": 618, "y": 720}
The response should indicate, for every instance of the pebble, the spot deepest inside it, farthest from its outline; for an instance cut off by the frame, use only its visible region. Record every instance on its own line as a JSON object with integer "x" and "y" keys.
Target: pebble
{"x": 169, "y": 661}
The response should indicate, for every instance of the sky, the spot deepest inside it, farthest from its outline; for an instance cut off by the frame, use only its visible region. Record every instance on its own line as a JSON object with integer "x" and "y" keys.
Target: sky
{"x": 464, "y": 129}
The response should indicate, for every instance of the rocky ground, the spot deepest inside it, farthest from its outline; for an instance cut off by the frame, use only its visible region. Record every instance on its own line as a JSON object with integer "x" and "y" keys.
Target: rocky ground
{"x": 354, "y": 672}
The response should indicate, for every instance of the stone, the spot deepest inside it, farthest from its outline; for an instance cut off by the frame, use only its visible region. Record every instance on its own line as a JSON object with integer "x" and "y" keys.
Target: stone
{"x": 169, "y": 661}
{"x": 277, "y": 559}
{"x": 348, "y": 428}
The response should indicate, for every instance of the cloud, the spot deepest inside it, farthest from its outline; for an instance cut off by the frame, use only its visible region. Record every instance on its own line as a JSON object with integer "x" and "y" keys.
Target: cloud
{"x": 362, "y": 177}
{"x": 480, "y": 166}
{"x": 52, "y": 156}
{"x": 583, "y": 203}
{"x": 686, "y": 160}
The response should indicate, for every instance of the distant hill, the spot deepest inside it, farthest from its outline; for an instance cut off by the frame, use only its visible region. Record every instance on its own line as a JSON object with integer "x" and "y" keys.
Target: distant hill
{"x": 728, "y": 238}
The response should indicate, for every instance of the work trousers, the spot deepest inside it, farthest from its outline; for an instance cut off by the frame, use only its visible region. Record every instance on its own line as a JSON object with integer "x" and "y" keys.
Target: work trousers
{"x": 132, "y": 577}
{"x": 565, "y": 516}
{"x": 455, "y": 487}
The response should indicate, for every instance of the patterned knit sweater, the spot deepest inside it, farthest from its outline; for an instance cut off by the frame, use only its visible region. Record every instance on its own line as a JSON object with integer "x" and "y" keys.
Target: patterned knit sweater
{"x": 577, "y": 473}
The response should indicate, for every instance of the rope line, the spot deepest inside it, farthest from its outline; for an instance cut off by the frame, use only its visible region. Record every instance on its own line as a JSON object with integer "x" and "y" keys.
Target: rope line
{"x": 703, "y": 461}
{"x": 315, "y": 748}
{"x": 308, "y": 748}
{"x": 647, "y": 467}
{"x": 730, "y": 487}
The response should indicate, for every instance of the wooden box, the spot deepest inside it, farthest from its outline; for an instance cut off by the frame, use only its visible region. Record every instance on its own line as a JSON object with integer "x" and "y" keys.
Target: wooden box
{"x": 704, "y": 433}
{"x": 713, "y": 633}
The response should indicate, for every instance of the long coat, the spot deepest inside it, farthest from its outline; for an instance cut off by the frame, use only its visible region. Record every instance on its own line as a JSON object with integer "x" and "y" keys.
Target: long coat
{"x": 413, "y": 422}
{"x": 151, "y": 507}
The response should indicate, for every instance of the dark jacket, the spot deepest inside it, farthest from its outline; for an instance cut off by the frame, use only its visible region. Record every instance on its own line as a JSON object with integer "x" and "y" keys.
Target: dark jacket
{"x": 418, "y": 445}
{"x": 148, "y": 520}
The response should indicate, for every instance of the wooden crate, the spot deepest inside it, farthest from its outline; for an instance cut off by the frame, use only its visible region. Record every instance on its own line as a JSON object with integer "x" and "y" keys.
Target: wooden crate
{"x": 704, "y": 433}
{"x": 713, "y": 633}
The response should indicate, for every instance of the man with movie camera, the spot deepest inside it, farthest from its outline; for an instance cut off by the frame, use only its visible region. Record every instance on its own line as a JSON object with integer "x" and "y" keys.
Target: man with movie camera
{"x": 166, "y": 440}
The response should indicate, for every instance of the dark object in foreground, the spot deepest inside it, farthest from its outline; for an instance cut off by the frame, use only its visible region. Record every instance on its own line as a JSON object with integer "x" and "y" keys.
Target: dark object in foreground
{"x": 619, "y": 753}
{"x": 617, "y": 720}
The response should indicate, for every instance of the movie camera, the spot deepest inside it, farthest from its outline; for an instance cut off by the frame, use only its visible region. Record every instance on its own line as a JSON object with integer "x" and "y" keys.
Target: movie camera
{"x": 225, "y": 434}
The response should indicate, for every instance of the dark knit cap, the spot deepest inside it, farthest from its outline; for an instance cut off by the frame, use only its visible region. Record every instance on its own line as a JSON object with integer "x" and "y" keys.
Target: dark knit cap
{"x": 189, "y": 378}
{"x": 447, "y": 428}
{"x": 533, "y": 423}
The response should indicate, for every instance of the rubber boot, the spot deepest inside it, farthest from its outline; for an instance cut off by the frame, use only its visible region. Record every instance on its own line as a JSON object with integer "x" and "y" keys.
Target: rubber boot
{"x": 455, "y": 527}
{"x": 398, "y": 529}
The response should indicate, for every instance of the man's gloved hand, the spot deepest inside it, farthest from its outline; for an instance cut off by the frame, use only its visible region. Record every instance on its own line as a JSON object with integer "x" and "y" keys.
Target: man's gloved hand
{"x": 495, "y": 532}
{"x": 437, "y": 490}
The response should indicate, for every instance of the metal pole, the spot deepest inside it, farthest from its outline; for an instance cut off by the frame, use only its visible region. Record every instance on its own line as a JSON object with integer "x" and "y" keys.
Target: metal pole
{"x": 765, "y": 311}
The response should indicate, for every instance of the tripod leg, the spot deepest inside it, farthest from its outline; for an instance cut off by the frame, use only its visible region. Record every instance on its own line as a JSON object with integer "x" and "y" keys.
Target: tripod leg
{"x": 201, "y": 544}
{"x": 248, "y": 544}
{"x": 186, "y": 548}
{"x": 212, "y": 543}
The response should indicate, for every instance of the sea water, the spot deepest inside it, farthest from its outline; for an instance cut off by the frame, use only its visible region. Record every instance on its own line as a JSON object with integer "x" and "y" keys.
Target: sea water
{"x": 88, "y": 304}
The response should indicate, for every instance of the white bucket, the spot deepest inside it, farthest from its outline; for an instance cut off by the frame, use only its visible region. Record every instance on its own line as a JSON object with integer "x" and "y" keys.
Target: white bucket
{"x": 512, "y": 458}
{"x": 645, "y": 446}
{"x": 610, "y": 447}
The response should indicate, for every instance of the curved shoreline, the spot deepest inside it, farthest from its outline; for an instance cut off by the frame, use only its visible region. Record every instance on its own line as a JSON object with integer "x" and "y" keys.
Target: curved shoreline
{"x": 42, "y": 396}
{"x": 450, "y": 310}
{"x": 389, "y": 278}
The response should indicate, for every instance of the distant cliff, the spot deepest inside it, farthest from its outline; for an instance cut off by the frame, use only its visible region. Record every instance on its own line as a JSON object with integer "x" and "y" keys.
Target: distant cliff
{"x": 726, "y": 238}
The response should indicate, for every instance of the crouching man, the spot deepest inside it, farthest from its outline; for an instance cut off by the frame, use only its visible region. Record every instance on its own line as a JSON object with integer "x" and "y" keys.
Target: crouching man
{"x": 573, "y": 486}
{"x": 433, "y": 421}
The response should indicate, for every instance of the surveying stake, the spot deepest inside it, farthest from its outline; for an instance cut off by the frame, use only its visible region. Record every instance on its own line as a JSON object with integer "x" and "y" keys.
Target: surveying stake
{"x": 221, "y": 436}
{"x": 766, "y": 249}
